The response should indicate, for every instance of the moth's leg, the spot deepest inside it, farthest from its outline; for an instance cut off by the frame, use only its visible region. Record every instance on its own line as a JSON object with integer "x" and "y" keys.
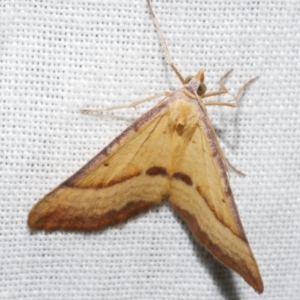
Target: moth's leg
{"x": 164, "y": 44}
{"x": 235, "y": 101}
{"x": 222, "y": 90}
{"x": 132, "y": 104}
{"x": 232, "y": 167}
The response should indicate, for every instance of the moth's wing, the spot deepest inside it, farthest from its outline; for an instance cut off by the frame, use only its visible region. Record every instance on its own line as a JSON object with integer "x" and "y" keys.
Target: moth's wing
{"x": 121, "y": 181}
{"x": 201, "y": 195}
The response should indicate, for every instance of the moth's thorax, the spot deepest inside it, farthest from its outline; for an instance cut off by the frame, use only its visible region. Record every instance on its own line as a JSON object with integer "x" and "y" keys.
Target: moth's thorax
{"x": 183, "y": 116}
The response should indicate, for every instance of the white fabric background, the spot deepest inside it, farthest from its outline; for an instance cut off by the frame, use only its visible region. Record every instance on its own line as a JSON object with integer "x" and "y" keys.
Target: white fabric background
{"x": 58, "y": 57}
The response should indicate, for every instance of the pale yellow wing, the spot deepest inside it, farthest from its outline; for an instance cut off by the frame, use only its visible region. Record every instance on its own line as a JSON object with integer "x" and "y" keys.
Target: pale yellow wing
{"x": 201, "y": 194}
{"x": 125, "y": 178}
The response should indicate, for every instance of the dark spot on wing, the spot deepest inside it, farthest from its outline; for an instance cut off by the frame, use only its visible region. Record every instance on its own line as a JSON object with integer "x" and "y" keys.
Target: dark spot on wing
{"x": 183, "y": 177}
{"x": 153, "y": 171}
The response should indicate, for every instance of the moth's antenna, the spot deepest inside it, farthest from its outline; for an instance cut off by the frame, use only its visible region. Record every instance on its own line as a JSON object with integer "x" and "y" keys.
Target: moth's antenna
{"x": 164, "y": 44}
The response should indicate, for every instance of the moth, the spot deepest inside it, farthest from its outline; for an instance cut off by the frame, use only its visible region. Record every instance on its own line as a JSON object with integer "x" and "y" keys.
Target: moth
{"x": 170, "y": 153}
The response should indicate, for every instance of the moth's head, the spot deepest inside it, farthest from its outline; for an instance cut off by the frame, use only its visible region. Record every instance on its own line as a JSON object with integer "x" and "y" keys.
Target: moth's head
{"x": 199, "y": 77}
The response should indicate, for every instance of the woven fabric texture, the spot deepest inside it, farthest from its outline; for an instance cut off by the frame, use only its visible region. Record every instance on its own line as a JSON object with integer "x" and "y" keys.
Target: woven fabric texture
{"x": 60, "y": 56}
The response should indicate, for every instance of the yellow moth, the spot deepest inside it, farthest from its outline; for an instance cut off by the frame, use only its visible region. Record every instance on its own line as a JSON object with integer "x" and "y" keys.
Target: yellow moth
{"x": 170, "y": 153}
